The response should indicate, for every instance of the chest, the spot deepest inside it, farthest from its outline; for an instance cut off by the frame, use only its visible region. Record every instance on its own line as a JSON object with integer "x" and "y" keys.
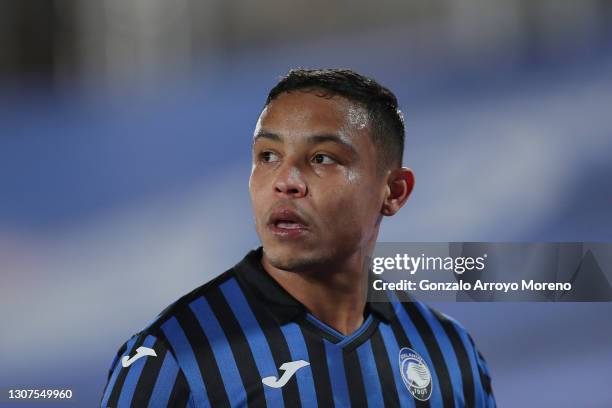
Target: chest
{"x": 304, "y": 364}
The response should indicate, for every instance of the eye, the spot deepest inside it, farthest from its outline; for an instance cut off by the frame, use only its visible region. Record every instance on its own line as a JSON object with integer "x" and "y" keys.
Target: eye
{"x": 268, "y": 157}
{"x": 321, "y": 158}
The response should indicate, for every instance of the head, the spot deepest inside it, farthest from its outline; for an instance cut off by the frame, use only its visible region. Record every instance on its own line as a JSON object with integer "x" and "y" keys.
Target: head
{"x": 327, "y": 166}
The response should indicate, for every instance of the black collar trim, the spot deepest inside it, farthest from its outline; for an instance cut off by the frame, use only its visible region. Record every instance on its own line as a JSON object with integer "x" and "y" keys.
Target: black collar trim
{"x": 253, "y": 277}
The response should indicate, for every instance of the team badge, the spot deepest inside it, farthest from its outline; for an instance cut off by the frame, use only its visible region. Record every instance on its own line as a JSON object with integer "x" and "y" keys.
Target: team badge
{"x": 415, "y": 373}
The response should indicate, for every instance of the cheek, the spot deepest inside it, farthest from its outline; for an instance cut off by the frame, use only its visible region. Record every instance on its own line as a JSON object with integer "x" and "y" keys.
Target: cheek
{"x": 344, "y": 207}
{"x": 257, "y": 202}
{"x": 257, "y": 197}
{"x": 355, "y": 204}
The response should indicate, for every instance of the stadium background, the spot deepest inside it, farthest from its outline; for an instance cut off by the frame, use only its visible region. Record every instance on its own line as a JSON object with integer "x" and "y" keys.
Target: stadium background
{"x": 124, "y": 156}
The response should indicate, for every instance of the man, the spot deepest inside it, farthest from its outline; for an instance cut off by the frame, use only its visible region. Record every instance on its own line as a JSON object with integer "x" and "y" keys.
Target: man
{"x": 291, "y": 325}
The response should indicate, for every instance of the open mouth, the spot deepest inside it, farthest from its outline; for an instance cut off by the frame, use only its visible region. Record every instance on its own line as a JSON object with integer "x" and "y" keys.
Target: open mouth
{"x": 286, "y": 222}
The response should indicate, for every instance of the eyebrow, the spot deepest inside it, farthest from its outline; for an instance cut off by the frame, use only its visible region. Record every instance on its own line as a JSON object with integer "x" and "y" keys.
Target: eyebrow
{"x": 267, "y": 135}
{"x": 312, "y": 140}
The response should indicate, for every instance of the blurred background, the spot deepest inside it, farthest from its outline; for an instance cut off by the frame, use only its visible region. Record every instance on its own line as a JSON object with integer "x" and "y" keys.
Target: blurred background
{"x": 125, "y": 131}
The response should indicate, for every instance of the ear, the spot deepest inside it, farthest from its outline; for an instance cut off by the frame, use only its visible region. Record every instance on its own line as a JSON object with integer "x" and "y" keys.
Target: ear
{"x": 400, "y": 183}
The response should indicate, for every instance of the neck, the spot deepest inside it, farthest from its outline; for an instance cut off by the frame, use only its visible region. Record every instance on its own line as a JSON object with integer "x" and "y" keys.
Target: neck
{"x": 336, "y": 296}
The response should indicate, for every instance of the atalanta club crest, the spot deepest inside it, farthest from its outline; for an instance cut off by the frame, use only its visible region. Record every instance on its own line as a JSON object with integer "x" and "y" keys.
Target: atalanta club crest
{"x": 415, "y": 373}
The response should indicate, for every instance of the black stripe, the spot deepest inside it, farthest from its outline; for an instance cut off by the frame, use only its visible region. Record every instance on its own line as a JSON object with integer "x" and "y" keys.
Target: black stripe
{"x": 467, "y": 379}
{"x": 485, "y": 380}
{"x": 150, "y": 372}
{"x": 179, "y": 394}
{"x": 354, "y": 379}
{"x": 114, "y": 397}
{"x": 431, "y": 343}
{"x": 402, "y": 341}
{"x": 240, "y": 348}
{"x": 202, "y": 350}
{"x": 320, "y": 371}
{"x": 278, "y": 346}
{"x": 385, "y": 373}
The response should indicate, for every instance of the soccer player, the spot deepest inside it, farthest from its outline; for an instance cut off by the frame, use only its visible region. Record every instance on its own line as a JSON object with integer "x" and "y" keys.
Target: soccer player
{"x": 291, "y": 324}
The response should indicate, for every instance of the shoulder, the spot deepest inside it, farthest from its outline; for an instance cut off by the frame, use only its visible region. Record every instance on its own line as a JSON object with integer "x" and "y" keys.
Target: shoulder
{"x": 431, "y": 322}
{"x": 143, "y": 370}
{"x": 447, "y": 321}
{"x": 165, "y": 324}
{"x": 150, "y": 363}
{"x": 406, "y": 305}
{"x": 159, "y": 330}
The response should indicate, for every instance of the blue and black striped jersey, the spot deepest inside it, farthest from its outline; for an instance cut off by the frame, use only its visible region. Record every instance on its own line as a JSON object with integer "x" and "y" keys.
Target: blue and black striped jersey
{"x": 242, "y": 340}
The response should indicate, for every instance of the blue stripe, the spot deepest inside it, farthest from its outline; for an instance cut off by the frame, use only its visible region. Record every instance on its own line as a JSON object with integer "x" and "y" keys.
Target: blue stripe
{"x": 127, "y": 392}
{"x": 490, "y": 402}
{"x": 190, "y": 403}
{"x": 337, "y": 377}
{"x": 118, "y": 367}
{"x": 164, "y": 383}
{"x": 369, "y": 373}
{"x": 186, "y": 359}
{"x": 297, "y": 348}
{"x": 222, "y": 352}
{"x": 419, "y": 346}
{"x": 325, "y": 327}
{"x": 344, "y": 340}
{"x": 447, "y": 351}
{"x": 255, "y": 337}
{"x": 406, "y": 399}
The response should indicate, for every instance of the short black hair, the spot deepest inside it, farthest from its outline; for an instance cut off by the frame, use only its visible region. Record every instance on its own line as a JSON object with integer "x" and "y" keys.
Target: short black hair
{"x": 386, "y": 120}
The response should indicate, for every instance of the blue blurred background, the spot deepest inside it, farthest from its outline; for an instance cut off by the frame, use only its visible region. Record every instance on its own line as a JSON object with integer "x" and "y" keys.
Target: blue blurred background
{"x": 124, "y": 158}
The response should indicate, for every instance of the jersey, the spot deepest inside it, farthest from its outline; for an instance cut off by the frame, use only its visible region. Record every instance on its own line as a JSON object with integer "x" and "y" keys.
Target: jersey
{"x": 242, "y": 340}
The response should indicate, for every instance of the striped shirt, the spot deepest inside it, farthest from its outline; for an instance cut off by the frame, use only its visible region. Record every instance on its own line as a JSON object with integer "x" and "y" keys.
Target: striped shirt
{"x": 242, "y": 340}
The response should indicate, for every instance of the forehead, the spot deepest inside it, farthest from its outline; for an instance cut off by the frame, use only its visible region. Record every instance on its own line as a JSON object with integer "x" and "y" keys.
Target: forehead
{"x": 307, "y": 112}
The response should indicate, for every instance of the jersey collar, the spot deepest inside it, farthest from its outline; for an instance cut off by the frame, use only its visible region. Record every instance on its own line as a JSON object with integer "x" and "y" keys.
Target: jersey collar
{"x": 253, "y": 277}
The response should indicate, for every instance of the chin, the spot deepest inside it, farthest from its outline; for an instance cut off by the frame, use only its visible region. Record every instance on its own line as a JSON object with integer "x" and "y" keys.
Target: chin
{"x": 291, "y": 258}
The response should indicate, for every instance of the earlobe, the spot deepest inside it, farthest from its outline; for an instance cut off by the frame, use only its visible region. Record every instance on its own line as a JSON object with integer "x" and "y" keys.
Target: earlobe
{"x": 387, "y": 211}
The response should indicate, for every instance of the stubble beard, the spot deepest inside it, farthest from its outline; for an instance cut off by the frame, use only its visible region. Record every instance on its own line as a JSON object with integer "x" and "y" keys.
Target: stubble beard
{"x": 296, "y": 262}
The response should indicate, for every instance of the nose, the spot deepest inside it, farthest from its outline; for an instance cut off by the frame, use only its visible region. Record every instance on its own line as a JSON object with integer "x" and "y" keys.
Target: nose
{"x": 289, "y": 182}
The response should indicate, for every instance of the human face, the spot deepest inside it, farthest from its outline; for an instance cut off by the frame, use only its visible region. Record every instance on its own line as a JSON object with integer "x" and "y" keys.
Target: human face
{"x": 314, "y": 186}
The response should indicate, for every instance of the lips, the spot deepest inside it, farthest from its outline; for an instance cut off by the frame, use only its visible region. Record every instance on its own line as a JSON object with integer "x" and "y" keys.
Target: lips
{"x": 287, "y": 223}
{"x": 286, "y": 218}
